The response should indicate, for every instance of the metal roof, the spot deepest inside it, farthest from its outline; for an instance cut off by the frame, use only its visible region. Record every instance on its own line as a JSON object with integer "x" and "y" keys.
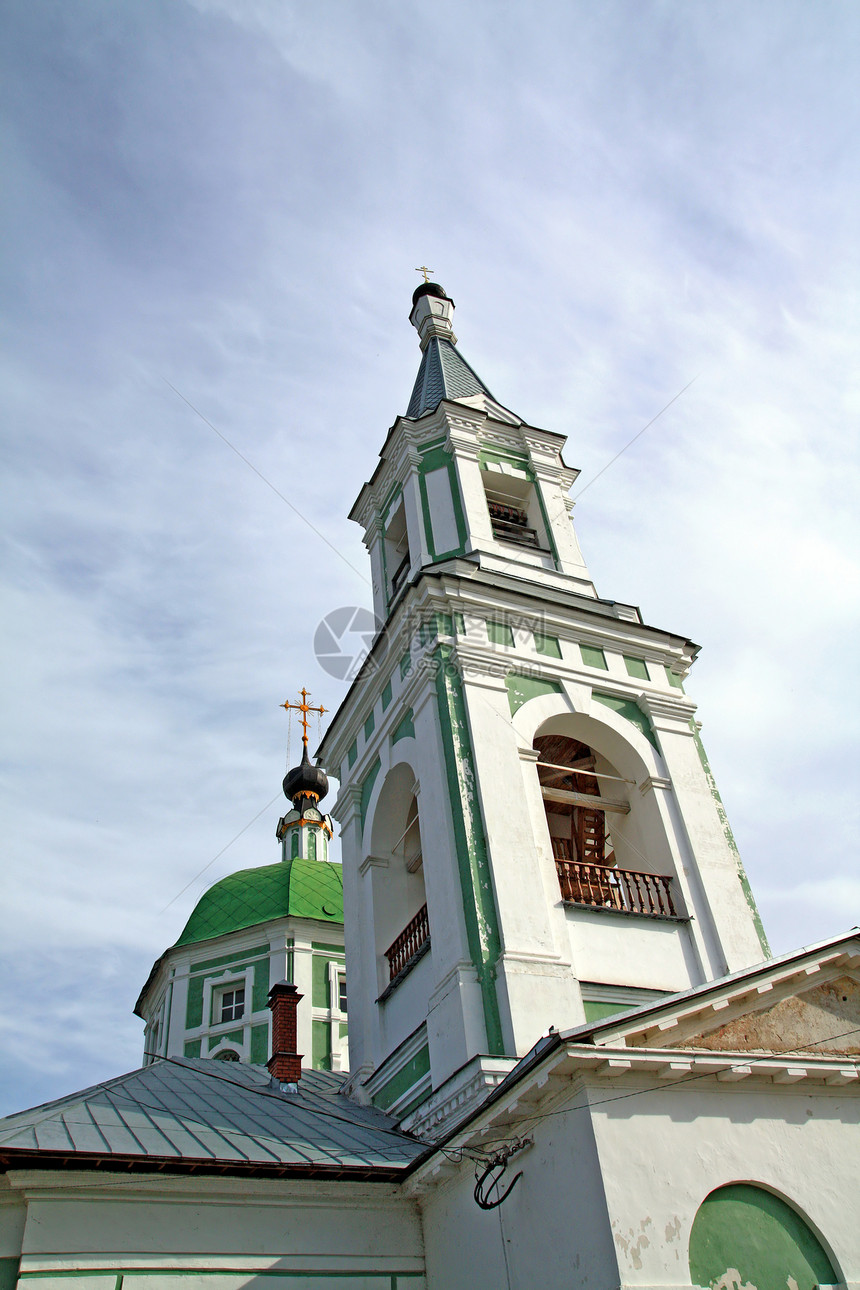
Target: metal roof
{"x": 444, "y": 374}
{"x": 301, "y": 888}
{"x": 201, "y": 1113}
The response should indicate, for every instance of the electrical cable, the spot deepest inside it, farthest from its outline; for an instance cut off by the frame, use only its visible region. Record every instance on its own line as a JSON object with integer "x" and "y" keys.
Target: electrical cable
{"x": 218, "y": 856}
{"x": 268, "y": 482}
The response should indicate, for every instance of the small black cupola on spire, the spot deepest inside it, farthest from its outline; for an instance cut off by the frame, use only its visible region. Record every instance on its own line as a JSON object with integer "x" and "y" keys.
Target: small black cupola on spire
{"x": 305, "y": 784}
{"x": 429, "y": 289}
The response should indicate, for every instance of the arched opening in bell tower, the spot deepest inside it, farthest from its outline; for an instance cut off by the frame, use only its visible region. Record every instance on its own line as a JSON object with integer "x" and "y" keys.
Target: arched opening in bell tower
{"x": 608, "y": 853}
{"x": 399, "y": 898}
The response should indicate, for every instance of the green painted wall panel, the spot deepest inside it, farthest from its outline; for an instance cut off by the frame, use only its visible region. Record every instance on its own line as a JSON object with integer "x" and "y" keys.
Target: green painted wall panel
{"x": 444, "y": 625}
{"x": 549, "y": 645}
{"x": 405, "y": 728}
{"x": 192, "y": 1048}
{"x": 367, "y": 790}
{"x": 495, "y": 458}
{"x": 763, "y": 1239}
{"x": 260, "y": 1044}
{"x": 352, "y": 754}
{"x": 321, "y": 1045}
{"x": 500, "y": 634}
{"x": 631, "y": 712}
{"x": 8, "y": 1273}
{"x": 369, "y": 725}
{"x": 232, "y": 1037}
{"x": 194, "y": 1005}
{"x": 636, "y": 667}
{"x": 386, "y": 694}
{"x": 226, "y": 960}
{"x": 595, "y": 1011}
{"x": 408, "y": 1075}
{"x": 521, "y": 688}
{"x": 432, "y": 460}
{"x": 674, "y": 679}
{"x": 593, "y": 657}
{"x": 320, "y": 984}
{"x": 260, "y": 990}
{"x": 405, "y": 665}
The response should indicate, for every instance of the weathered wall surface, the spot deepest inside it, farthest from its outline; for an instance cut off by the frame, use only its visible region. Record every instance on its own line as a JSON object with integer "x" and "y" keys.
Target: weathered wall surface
{"x": 663, "y": 1151}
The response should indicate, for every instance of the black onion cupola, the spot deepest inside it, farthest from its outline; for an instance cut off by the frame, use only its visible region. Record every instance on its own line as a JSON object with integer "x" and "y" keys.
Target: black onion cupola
{"x": 305, "y": 783}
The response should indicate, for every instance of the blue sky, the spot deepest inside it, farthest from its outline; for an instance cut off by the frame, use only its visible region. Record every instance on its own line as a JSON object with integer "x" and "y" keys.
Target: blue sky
{"x": 232, "y": 197}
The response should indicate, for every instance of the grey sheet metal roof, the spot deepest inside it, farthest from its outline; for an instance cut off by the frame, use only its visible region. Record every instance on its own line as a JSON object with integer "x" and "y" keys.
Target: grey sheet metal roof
{"x": 202, "y": 1113}
{"x": 444, "y": 374}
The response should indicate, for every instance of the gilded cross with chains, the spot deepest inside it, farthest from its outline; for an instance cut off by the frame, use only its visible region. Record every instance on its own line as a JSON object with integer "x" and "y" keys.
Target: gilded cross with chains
{"x": 425, "y": 271}
{"x": 304, "y": 708}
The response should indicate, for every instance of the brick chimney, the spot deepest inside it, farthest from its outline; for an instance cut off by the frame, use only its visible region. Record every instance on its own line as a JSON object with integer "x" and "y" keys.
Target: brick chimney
{"x": 285, "y": 1064}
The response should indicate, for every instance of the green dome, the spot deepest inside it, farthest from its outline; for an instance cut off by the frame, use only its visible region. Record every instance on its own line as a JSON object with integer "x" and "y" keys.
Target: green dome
{"x": 300, "y": 888}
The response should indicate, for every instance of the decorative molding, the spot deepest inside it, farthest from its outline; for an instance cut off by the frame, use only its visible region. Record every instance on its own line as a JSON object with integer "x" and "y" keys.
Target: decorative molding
{"x": 371, "y": 862}
{"x": 654, "y": 781}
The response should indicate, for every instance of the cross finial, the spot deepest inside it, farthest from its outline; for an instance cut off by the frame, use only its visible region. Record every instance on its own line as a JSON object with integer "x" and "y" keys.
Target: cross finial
{"x": 425, "y": 271}
{"x": 304, "y": 708}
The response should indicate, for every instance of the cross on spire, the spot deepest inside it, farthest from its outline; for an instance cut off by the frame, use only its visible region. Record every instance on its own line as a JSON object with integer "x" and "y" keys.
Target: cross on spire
{"x": 304, "y": 708}
{"x": 425, "y": 271}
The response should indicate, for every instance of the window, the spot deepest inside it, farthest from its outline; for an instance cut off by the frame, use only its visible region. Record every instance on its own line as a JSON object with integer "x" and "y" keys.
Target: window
{"x": 515, "y": 511}
{"x": 396, "y": 546}
{"x": 231, "y": 1004}
{"x": 341, "y": 991}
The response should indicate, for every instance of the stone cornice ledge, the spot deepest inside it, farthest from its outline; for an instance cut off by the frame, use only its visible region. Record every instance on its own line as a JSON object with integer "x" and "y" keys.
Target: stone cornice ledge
{"x": 461, "y": 1094}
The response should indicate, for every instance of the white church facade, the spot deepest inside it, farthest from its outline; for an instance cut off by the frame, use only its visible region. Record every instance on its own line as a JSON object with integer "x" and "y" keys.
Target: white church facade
{"x": 572, "y": 1060}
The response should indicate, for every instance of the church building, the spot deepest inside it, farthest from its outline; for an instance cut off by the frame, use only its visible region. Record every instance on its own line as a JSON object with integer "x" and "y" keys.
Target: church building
{"x": 207, "y": 996}
{"x": 572, "y": 1059}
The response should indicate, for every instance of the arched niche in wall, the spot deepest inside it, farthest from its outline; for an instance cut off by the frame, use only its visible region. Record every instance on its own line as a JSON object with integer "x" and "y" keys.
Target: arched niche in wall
{"x": 609, "y": 842}
{"x": 744, "y": 1235}
{"x": 399, "y": 898}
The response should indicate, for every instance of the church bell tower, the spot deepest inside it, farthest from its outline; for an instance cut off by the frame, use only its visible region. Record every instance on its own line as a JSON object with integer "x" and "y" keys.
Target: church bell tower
{"x": 532, "y": 836}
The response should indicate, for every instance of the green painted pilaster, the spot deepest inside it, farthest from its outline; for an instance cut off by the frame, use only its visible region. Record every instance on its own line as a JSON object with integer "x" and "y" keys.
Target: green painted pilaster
{"x": 479, "y": 906}
{"x": 730, "y": 838}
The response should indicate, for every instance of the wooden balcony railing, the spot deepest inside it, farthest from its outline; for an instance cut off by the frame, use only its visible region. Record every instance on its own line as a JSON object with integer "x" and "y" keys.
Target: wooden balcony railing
{"x": 511, "y": 524}
{"x": 622, "y": 889}
{"x": 413, "y": 938}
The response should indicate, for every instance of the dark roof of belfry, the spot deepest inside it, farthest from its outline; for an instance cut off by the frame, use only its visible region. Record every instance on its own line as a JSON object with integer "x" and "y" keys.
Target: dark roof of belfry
{"x": 443, "y": 374}
{"x": 200, "y": 1115}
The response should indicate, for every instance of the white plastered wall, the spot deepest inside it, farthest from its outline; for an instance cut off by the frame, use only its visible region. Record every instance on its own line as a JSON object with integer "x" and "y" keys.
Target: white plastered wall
{"x": 224, "y": 1231}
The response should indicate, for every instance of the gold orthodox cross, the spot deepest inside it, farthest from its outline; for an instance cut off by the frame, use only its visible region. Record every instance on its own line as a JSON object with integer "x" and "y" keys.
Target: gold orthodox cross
{"x": 304, "y": 708}
{"x": 425, "y": 271}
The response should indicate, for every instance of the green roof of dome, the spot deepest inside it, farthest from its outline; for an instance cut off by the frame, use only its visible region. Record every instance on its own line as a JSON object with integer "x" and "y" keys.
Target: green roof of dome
{"x": 297, "y": 888}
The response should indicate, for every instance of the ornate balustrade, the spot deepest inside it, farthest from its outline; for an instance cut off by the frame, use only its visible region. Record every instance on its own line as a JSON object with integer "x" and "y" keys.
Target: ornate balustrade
{"x": 415, "y": 935}
{"x": 625, "y": 890}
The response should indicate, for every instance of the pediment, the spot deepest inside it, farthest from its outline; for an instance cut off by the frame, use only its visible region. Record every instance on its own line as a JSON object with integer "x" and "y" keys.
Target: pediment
{"x": 807, "y": 1001}
{"x": 824, "y": 1019}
